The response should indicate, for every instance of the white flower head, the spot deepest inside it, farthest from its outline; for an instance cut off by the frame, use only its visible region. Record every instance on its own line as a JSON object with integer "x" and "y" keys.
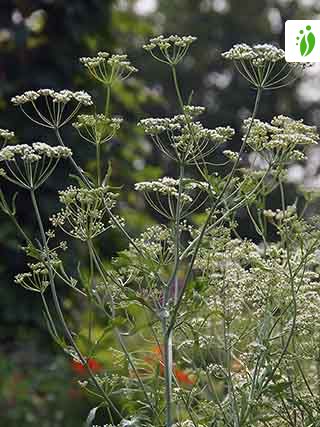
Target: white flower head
{"x": 283, "y": 135}
{"x": 182, "y": 139}
{"x": 84, "y": 210}
{"x": 171, "y": 49}
{"x": 107, "y": 68}
{"x": 39, "y": 161}
{"x": 57, "y": 107}
{"x": 263, "y": 65}
{"x": 186, "y": 192}
{"x": 97, "y": 129}
{"x": 6, "y": 135}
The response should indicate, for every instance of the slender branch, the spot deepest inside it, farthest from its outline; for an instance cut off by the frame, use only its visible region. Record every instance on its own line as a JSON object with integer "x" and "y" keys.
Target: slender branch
{"x": 73, "y": 162}
{"x": 207, "y": 222}
{"x": 100, "y": 269}
{"x": 66, "y": 329}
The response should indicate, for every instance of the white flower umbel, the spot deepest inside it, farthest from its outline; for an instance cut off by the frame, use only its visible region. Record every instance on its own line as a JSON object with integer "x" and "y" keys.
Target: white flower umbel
{"x": 29, "y": 166}
{"x": 263, "y": 65}
{"x": 6, "y": 136}
{"x": 169, "y": 50}
{"x": 231, "y": 155}
{"x": 182, "y": 139}
{"x": 83, "y": 214}
{"x": 97, "y": 129}
{"x": 50, "y": 108}
{"x": 280, "y": 140}
{"x": 107, "y": 68}
{"x": 36, "y": 280}
{"x": 192, "y": 195}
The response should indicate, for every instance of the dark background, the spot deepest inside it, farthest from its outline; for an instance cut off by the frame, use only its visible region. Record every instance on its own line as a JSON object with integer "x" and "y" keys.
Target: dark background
{"x": 40, "y": 42}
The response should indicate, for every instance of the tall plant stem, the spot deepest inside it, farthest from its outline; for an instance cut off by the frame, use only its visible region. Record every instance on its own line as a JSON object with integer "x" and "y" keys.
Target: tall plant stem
{"x": 177, "y": 88}
{"x": 58, "y": 307}
{"x": 74, "y": 164}
{"x": 97, "y": 261}
{"x": 107, "y": 105}
{"x": 168, "y": 362}
{"x": 98, "y": 154}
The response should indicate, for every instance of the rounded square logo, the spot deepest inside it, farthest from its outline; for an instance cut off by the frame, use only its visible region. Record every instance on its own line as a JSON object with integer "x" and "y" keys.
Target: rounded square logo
{"x": 302, "y": 40}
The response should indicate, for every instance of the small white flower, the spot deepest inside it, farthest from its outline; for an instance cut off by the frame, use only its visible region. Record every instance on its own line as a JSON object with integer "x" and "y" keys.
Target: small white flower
{"x": 53, "y": 118}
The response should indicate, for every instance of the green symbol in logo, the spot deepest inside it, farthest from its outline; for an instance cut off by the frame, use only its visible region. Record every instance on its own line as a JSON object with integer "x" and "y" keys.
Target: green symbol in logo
{"x": 307, "y": 41}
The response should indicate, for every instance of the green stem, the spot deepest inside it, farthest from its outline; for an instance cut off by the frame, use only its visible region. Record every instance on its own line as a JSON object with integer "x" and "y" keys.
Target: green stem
{"x": 177, "y": 88}
{"x": 173, "y": 278}
{"x": 19, "y": 228}
{"x": 90, "y": 296}
{"x": 98, "y": 154}
{"x": 74, "y": 164}
{"x": 57, "y": 303}
{"x": 99, "y": 266}
{"x": 168, "y": 372}
{"x": 107, "y": 105}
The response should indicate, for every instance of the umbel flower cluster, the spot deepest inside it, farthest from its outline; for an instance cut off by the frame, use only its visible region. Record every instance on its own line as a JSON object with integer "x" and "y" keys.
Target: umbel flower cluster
{"x": 170, "y": 50}
{"x": 29, "y": 166}
{"x": 186, "y": 191}
{"x": 263, "y": 65}
{"x": 62, "y": 97}
{"x": 97, "y": 129}
{"x": 279, "y": 140}
{"x": 191, "y": 324}
{"x": 107, "y": 69}
{"x": 260, "y": 54}
{"x": 182, "y": 139}
{"x": 55, "y": 114}
{"x": 83, "y": 212}
{"x": 6, "y": 136}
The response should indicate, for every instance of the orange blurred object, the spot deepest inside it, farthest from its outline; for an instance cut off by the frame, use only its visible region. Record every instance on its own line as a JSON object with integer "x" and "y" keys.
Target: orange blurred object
{"x": 79, "y": 368}
{"x": 157, "y": 356}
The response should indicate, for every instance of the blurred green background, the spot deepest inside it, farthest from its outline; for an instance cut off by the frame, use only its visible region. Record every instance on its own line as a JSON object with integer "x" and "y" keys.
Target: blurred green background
{"x": 40, "y": 42}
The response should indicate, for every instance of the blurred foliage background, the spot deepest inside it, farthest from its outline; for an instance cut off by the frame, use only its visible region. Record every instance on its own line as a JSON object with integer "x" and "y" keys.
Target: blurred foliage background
{"x": 40, "y": 42}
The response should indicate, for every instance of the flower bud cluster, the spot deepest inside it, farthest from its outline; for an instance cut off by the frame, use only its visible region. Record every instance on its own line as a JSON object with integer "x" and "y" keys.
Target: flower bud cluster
{"x": 157, "y": 243}
{"x": 172, "y": 49}
{"x": 259, "y": 54}
{"x": 184, "y": 195}
{"x": 189, "y": 141}
{"x": 108, "y": 68}
{"x": 6, "y": 135}
{"x": 263, "y": 65}
{"x": 29, "y": 166}
{"x": 97, "y": 129}
{"x": 62, "y": 96}
{"x": 280, "y": 138}
{"x": 58, "y": 107}
{"x": 193, "y": 110}
{"x": 231, "y": 155}
{"x": 84, "y": 210}
{"x": 167, "y": 42}
{"x": 279, "y": 215}
{"x": 170, "y": 187}
{"x": 33, "y": 153}
{"x": 36, "y": 280}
